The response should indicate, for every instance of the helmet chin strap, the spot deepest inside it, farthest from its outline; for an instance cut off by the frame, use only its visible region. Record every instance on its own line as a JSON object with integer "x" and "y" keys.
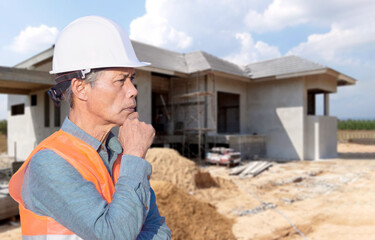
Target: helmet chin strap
{"x": 63, "y": 83}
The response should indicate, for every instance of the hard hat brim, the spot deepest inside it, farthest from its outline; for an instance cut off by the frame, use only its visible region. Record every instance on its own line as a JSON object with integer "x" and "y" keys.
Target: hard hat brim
{"x": 135, "y": 65}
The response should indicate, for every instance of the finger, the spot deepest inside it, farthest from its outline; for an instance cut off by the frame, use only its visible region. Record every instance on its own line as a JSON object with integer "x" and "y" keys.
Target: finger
{"x": 133, "y": 116}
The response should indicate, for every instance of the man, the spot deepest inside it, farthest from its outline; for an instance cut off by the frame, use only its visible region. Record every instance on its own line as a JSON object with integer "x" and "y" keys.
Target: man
{"x": 82, "y": 182}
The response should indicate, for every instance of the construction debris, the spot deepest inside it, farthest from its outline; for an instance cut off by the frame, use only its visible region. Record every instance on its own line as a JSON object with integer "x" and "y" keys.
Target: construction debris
{"x": 255, "y": 210}
{"x": 251, "y": 169}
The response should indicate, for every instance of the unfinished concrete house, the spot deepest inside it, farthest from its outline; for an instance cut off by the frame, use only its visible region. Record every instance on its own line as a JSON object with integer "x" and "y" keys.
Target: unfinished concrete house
{"x": 196, "y": 101}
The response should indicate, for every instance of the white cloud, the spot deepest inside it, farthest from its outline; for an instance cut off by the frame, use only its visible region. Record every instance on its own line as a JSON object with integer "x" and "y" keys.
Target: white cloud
{"x": 285, "y": 13}
{"x": 34, "y": 39}
{"x": 337, "y": 45}
{"x": 156, "y": 30}
{"x": 251, "y": 51}
{"x": 212, "y": 25}
{"x": 183, "y": 25}
{"x": 279, "y": 14}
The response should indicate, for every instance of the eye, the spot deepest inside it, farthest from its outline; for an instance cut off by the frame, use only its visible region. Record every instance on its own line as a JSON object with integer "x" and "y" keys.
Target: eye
{"x": 132, "y": 77}
{"x": 125, "y": 77}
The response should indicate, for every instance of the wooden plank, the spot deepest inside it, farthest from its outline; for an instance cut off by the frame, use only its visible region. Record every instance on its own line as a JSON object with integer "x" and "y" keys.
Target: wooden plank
{"x": 249, "y": 168}
{"x": 238, "y": 170}
{"x": 263, "y": 168}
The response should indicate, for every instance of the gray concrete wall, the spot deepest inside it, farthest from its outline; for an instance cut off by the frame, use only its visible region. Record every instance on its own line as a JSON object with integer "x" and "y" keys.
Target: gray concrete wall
{"x": 325, "y": 82}
{"x": 250, "y": 146}
{"x": 321, "y": 137}
{"x": 28, "y": 130}
{"x": 44, "y": 66}
{"x": 143, "y": 82}
{"x": 276, "y": 110}
{"x": 320, "y": 131}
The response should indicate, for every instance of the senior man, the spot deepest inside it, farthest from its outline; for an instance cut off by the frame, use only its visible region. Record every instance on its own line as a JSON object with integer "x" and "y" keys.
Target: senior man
{"x": 82, "y": 182}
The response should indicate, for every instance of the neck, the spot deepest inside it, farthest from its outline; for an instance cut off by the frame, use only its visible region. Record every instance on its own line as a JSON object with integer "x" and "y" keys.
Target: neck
{"x": 90, "y": 124}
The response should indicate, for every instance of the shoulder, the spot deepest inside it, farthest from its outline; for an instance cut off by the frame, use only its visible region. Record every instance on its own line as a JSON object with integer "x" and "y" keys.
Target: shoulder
{"x": 47, "y": 161}
{"x": 46, "y": 156}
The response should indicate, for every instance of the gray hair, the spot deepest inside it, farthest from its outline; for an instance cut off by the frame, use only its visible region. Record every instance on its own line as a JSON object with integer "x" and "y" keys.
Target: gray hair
{"x": 90, "y": 78}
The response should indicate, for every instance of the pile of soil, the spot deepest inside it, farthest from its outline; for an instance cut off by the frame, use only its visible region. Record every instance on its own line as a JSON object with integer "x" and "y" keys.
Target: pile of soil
{"x": 168, "y": 165}
{"x": 189, "y": 218}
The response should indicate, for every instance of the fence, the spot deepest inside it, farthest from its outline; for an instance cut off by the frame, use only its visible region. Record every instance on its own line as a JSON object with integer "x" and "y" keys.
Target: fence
{"x": 359, "y": 136}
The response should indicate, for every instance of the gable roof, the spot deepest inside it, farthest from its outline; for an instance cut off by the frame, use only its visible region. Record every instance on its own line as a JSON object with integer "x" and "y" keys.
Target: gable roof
{"x": 202, "y": 61}
{"x": 184, "y": 62}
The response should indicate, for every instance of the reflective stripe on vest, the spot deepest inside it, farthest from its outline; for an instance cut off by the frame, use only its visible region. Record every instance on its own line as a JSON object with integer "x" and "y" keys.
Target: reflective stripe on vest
{"x": 52, "y": 237}
{"x": 88, "y": 163}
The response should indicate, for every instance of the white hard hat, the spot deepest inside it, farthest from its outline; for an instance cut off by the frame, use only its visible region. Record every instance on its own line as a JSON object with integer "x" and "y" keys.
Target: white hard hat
{"x": 93, "y": 42}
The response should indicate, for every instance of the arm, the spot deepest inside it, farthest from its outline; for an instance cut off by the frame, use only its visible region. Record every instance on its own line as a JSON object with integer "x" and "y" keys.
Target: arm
{"x": 154, "y": 226}
{"x": 54, "y": 188}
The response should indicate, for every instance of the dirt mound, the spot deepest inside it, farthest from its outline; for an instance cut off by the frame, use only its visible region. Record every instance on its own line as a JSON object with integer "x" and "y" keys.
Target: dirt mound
{"x": 169, "y": 165}
{"x": 189, "y": 218}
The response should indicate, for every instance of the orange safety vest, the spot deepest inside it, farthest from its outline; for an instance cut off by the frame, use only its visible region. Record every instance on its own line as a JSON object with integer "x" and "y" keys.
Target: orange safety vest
{"x": 88, "y": 163}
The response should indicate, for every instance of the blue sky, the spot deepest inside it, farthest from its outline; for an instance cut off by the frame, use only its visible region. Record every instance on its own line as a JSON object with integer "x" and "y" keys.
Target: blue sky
{"x": 337, "y": 33}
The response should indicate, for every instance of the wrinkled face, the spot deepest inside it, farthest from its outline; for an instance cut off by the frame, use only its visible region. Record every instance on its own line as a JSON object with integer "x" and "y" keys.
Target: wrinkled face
{"x": 112, "y": 97}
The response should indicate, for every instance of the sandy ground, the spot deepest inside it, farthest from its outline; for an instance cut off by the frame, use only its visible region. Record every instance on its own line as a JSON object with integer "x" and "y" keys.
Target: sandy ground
{"x": 3, "y": 143}
{"x": 330, "y": 199}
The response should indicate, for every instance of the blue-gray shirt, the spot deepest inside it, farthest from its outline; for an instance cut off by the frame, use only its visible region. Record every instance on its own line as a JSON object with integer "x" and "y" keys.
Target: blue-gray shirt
{"x": 52, "y": 187}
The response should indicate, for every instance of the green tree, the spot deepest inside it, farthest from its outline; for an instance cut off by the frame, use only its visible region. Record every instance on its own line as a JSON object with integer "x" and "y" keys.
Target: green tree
{"x": 351, "y": 124}
{"x": 3, "y": 126}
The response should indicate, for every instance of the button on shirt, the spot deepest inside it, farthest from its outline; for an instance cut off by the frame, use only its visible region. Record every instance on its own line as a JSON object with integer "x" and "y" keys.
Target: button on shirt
{"x": 52, "y": 187}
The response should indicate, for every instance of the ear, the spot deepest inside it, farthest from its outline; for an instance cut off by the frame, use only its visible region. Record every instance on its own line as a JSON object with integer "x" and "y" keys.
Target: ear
{"x": 79, "y": 89}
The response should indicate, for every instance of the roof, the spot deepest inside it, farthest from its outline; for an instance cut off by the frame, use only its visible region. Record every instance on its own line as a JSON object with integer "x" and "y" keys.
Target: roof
{"x": 292, "y": 66}
{"x": 170, "y": 62}
{"x": 160, "y": 58}
{"x": 281, "y": 66}
{"x": 184, "y": 63}
{"x": 202, "y": 61}
{"x": 163, "y": 59}
{"x": 22, "y": 81}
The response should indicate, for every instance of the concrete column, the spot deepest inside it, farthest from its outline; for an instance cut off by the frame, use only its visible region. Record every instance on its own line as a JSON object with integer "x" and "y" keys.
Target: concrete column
{"x": 326, "y": 104}
{"x": 144, "y": 101}
{"x": 316, "y": 140}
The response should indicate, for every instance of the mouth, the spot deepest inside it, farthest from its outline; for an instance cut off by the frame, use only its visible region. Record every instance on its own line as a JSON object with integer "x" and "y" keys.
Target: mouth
{"x": 130, "y": 108}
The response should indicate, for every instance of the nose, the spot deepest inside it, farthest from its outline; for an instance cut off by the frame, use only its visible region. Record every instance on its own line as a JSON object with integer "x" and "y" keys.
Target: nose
{"x": 132, "y": 92}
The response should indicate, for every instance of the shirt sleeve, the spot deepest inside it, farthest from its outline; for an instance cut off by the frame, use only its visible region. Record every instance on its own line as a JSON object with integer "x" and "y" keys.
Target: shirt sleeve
{"x": 154, "y": 226}
{"x": 54, "y": 188}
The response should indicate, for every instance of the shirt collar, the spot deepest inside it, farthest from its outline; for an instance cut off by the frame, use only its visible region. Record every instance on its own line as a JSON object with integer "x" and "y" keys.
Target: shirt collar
{"x": 113, "y": 143}
{"x": 69, "y": 127}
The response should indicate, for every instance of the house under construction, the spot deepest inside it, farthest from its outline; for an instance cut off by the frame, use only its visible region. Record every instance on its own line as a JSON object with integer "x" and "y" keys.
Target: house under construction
{"x": 196, "y": 101}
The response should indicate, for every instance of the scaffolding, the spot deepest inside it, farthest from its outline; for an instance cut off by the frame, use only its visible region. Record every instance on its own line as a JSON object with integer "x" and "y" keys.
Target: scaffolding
{"x": 193, "y": 130}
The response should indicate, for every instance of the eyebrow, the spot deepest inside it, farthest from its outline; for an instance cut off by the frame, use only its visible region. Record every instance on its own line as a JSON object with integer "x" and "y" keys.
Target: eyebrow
{"x": 127, "y": 75}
